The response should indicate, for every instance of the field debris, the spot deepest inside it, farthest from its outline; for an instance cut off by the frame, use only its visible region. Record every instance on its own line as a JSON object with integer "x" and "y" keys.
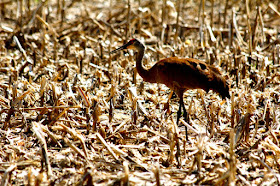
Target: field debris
{"x": 74, "y": 114}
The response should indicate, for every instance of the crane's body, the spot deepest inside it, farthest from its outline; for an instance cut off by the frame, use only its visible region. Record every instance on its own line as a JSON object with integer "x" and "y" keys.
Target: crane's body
{"x": 179, "y": 74}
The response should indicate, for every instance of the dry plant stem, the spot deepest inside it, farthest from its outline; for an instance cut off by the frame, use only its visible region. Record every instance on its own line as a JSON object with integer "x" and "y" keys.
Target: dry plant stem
{"x": 76, "y": 135}
{"x": 232, "y": 111}
{"x": 76, "y": 149}
{"x": 62, "y": 13}
{"x": 163, "y": 138}
{"x": 36, "y": 88}
{"x": 212, "y": 14}
{"x": 254, "y": 31}
{"x": 117, "y": 150}
{"x": 157, "y": 174}
{"x": 179, "y": 2}
{"x": 82, "y": 57}
{"x": 140, "y": 19}
{"x": 43, "y": 108}
{"x": 163, "y": 22}
{"x": 55, "y": 50}
{"x": 230, "y": 35}
{"x": 219, "y": 17}
{"x": 39, "y": 134}
{"x": 42, "y": 90}
{"x": 256, "y": 129}
{"x": 134, "y": 76}
{"x": 201, "y": 22}
{"x": 21, "y": 97}
{"x": 212, "y": 36}
{"x": 52, "y": 30}
{"x": 6, "y": 176}
{"x": 238, "y": 35}
{"x": 58, "y": 8}
{"x": 203, "y": 12}
{"x": 29, "y": 177}
{"x": 274, "y": 140}
{"x": 178, "y": 152}
{"x": 107, "y": 146}
{"x": 39, "y": 179}
{"x": 100, "y": 48}
{"x": 225, "y": 14}
{"x": 247, "y": 126}
{"x": 54, "y": 120}
{"x": 199, "y": 155}
{"x": 277, "y": 54}
{"x": 125, "y": 179}
{"x": 14, "y": 93}
{"x": 189, "y": 126}
{"x": 28, "y": 60}
{"x": 232, "y": 168}
{"x": 110, "y": 57}
{"x": 119, "y": 127}
{"x": 84, "y": 97}
{"x": 87, "y": 177}
{"x": 199, "y": 10}
{"x": 43, "y": 32}
{"x": 211, "y": 130}
{"x": 223, "y": 178}
{"x": 51, "y": 135}
{"x": 133, "y": 96}
{"x": 20, "y": 13}
{"x": 171, "y": 147}
{"x": 262, "y": 26}
{"x": 7, "y": 120}
{"x": 111, "y": 109}
{"x": 252, "y": 156}
{"x": 110, "y": 10}
{"x": 249, "y": 27}
{"x": 204, "y": 106}
{"x": 272, "y": 6}
{"x": 127, "y": 31}
{"x": 163, "y": 13}
{"x": 114, "y": 31}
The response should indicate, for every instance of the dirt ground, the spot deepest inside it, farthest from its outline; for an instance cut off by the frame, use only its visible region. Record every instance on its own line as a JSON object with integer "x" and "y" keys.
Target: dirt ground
{"x": 74, "y": 114}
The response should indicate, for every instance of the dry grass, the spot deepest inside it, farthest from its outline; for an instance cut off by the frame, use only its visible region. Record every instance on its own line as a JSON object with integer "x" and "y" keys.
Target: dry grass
{"x": 73, "y": 114}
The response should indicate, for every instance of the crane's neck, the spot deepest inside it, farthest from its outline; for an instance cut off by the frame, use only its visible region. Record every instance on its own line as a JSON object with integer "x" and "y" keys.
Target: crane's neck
{"x": 142, "y": 71}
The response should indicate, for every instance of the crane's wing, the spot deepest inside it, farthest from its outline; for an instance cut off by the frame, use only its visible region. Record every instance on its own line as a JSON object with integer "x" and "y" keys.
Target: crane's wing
{"x": 187, "y": 73}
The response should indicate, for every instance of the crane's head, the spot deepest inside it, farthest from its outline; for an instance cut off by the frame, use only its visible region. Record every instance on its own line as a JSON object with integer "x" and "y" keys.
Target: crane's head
{"x": 133, "y": 44}
{"x": 222, "y": 87}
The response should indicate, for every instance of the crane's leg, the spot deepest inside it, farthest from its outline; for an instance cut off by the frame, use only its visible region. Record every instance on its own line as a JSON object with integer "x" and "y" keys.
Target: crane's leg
{"x": 179, "y": 113}
{"x": 181, "y": 104}
{"x": 187, "y": 119}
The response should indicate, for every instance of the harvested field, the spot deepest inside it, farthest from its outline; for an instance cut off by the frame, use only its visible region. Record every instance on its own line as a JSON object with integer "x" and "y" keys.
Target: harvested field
{"x": 72, "y": 113}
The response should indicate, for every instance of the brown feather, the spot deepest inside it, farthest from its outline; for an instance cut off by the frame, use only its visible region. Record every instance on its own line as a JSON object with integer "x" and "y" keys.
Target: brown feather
{"x": 181, "y": 74}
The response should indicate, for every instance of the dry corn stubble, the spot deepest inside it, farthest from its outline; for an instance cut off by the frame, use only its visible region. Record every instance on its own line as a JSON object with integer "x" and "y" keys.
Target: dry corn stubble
{"x": 71, "y": 113}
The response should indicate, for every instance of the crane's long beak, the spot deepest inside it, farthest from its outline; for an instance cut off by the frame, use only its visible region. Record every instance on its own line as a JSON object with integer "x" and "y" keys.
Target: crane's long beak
{"x": 120, "y": 48}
